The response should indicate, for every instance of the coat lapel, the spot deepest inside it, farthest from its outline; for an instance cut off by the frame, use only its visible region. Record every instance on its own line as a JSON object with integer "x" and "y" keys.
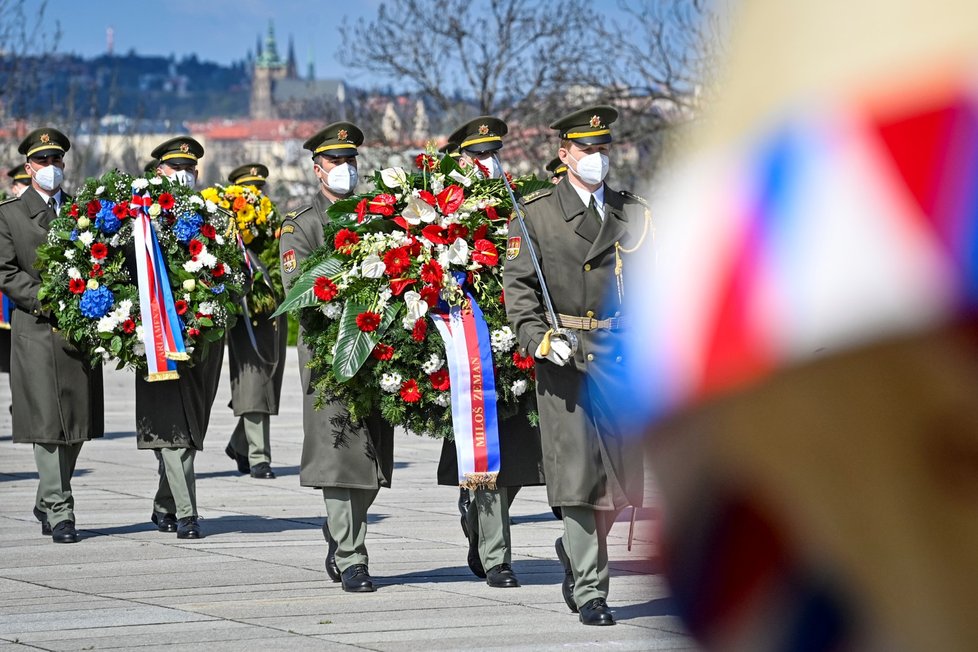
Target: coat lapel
{"x": 36, "y": 208}
{"x": 574, "y": 211}
{"x": 613, "y": 225}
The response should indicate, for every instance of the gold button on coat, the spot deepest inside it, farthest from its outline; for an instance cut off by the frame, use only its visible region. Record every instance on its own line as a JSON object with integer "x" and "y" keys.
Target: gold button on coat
{"x": 590, "y": 357}
{"x": 590, "y": 313}
{"x": 587, "y": 267}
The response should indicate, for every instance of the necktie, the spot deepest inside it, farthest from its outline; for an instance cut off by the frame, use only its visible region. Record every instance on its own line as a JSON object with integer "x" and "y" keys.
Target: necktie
{"x": 53, "y": 204}
{"x": 593, "y": 207}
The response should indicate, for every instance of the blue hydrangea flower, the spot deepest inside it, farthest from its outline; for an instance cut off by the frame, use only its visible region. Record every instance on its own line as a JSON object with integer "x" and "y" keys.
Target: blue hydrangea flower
{"x": 187, "y": 227}
{"x": 74, "y": 234}
{"x": 105, "y": 219}
{"x": 217, "y": 289}
{"x": 96, "y": 303}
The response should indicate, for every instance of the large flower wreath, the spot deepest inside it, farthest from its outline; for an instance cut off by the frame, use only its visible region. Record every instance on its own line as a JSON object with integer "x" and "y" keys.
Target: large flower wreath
{"x": 421, "y": 242}
{"x": 87, "y": 283}
{"x": 257, "y": 222}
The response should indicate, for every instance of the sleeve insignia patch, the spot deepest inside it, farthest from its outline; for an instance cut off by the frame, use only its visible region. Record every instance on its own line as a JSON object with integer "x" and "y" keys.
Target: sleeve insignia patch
{"x": 288, "y": 261}
{"x": 288, "y": 228}
{"x": 513, "y": 248}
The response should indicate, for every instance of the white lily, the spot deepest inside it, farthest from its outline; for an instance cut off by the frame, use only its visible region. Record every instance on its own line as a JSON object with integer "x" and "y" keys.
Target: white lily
{"x": 372, "y": 267}
{"x": 416, "y": 306}
{"x": 418, "y": 211}
{"x": 394, "y": 177}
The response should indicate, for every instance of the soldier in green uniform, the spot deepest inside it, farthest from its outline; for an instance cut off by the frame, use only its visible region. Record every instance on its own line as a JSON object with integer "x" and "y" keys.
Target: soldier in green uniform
{"x": 56, "y": 394}
{"x": 150, "y": 167}
{"x": 485, "y": 519}
{"x": 583, "y": 232}
{"x": 348, "y": 461}
{"x": 19, "y": 180}
{"x": 256, "y": 357}
{"x": 172, "y": 415}
{"x": 557, "y": 170}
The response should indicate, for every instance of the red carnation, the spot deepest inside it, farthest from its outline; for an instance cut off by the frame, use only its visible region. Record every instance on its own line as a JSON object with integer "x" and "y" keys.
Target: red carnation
{"x": 383, "y": 351}
{"x": 326, "y": 290}
{"x": 450, "y": 199}
{"x": 456, "y": 231}
{"x": 195, "y": 246}
{"x": 440, "y": 380}
{"x": 219, "y": 270}
{"x": 430, "y": 294}
{"x": 181, "y": 306}
{"x": 73, "y": 211}
{"x": 344, "y": 240}
{"x": 128, "y": 326}
{"x": 432, "y": 272}
{"x": 99, "y": 251}
{"x": 398, "y": 285}
{"x": 397, "y": 260}
{"x": 361, "y": 209}
{"x": 166, "y": 201}
{"x": 523, "y": 362}
{"x": 208, "y": 231}
{"x": 121, "y": 211}
{"x": 368, "y": 321}
{"x": 485, "y": 253}
{"x": 76, "y": 285}
{"x": 410, "y": 392}
{"x": 92, "y": 208}
{"x": 420, "y": 330}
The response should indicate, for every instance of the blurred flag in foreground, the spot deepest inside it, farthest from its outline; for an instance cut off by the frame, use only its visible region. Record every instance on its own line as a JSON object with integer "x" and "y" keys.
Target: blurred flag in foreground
{"x": 805, "y": 351}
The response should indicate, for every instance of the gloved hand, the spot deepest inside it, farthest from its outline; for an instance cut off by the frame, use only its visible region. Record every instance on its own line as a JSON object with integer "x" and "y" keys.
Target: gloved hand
{"x": 560, "y": 352}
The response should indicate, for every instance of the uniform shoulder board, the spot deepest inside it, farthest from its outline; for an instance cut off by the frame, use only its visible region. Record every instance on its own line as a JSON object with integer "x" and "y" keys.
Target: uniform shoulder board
{"x": 537, "y": 194}
{"x": 632, "y": 198}
{"x": 7, "y": 201}
{"x": 291, "y": 215}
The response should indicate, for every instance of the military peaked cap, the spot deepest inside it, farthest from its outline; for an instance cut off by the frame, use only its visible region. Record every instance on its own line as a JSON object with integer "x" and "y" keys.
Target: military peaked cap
{"x": 18, "y": 174}
{"x": 44, "y": 142}
{"x": 590, "y": 126}
{"x": 151, "y": 165}
{"x": 449, "y": 149}
{"x": 182, "y": 149}
{"x": 556, "y": 168}
{"x": 338, "y": 139}
{"x": 251, "y": 174}
{"x": 483, "y": 134}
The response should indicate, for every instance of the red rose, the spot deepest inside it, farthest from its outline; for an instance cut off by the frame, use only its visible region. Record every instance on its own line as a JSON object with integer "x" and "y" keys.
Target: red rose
{"x": 430, "y": 294}
{"x": 432, "y": 272}
{"x": 456, "y": 231}
{"x": 485, "y": 253}
{"x": 92, "y": 208}
{"x": 368, "y": 321}
{"x": 193, "y": 332}
{"x": 397, "y": 260}
{"x": 523, "y": 362}
{"x": 410, "y": 392}
{"x": 208, "y": 231}
{"x": 166, "y": 201}
{"x": 361, "y": 209}
{"x": 434, "y": 234}
{"x": 76, "y": 285}
{"x": 218, "y": 270}
{"x": 128, "y": 326}
{"x": 420, "y": 330}
{"x": 326, "y": 290}
{"x": 181, "y": 306}
{"x": 344, "y": 241}
{"x": 99, "y": 251}
{"x": 440, "y": 380}
{"x": 121, "y": 211}
{"x": 398, "y": 285}
{"x": 427, "y": 197}
{"x": 73, "y": 211}
{"x": 195, "y": 246}
{"x": 383, "y": 351}
{"x": 450, "y": 199}
{"x": 95, "y": 271}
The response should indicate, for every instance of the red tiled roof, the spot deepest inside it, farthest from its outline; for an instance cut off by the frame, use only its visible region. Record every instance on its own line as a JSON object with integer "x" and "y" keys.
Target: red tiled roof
{"x": 273, "y": 130}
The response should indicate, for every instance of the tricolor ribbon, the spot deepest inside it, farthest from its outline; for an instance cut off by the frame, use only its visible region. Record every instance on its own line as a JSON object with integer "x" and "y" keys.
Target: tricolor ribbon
{"x": 162, "y": 335}
{"x": 244, "y": 254}
{"x": 6, "y": 308}
{"x": 474, "y": 422}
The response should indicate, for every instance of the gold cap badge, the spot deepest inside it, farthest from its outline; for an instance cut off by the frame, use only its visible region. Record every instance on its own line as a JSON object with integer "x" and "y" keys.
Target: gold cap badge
{"x": 483, "y": 130}
{"x": 595, "y": 121}
{"x": 253, "y": 171}
{"x": 341, "y": 134}
{"x": 184, "y": 147}
{"x": 45, "y": 138}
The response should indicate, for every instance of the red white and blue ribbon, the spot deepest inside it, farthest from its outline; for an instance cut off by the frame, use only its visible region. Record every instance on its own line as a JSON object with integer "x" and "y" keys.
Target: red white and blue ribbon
{"x": 474, "y": 421}
{"x": 247, "y": 258}
{"x": 6, "y": 308}
{"x": 161, "y": 326}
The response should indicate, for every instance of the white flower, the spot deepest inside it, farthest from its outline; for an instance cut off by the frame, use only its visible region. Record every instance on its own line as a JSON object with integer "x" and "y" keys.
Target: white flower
{"x": 394, "y": 177}
{"x": 126, "y": 306}
{"x": 139, "y": 184}
{"x": 155, "y": 209}
{"x": 407, "y": 323}
{"x": 115, "y": 240}
{"x": 106, "y": 324}
{"x": 461, "y": 178}
{"x": 458, "y": 252}
{"x": 156, "y": 181}
{"x": 207, "y": 258}
{"x": 210, "y": 206}
{"x": 62, "y": 306}
{"x": 502, "y": 339}
{"x": 192, "y": 266}
{"x": 189, "y": 285}
{"x": 332, "y": 310}
{"x": 432, "y": 364}
{"x": 83, "y": 222}
{"x": 138, "y": 348}
{"x": 383, "y": 298}
{"x": 219, "y": 239}
{"x": 140, "y": 332}
{"x": 390, "y": 382}
{"x": 73, "y": 272}
{"x": 99, "y": 190}
{"x": 437, "y": 183}
{"x": 199, "y": 201}
{"x": 416, "y": 306}
{"x": 92, "y": 284}
{"x": 502, "y": 230}
{"x": 207, "y": 307}
{"x": 372, "y": 267}
{"x": 443, "y": 399}
{"x": 418, "y": 211}
{"x": 105, "y": 354}
{"x": 86, "y": 238}
{"x": 519, "y": 387}
{"x": 69, "y": 254}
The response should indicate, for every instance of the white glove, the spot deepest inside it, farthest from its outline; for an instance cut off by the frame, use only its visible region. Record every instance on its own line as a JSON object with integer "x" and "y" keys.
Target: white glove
{"x": 560, "y": 352}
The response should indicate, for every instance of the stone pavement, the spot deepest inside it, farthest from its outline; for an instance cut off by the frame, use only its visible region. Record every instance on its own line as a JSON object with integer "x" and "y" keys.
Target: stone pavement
{"x": 256, "y": 579}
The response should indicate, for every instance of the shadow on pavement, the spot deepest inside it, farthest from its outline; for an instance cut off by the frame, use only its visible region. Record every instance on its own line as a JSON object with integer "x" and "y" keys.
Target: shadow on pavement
{"x": 232, "y": 473}
{"x": 655, "y": 607}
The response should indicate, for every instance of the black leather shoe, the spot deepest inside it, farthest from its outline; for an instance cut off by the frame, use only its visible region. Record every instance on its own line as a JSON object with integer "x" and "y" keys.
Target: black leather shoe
{"x": 187, "y": 528}
{"x": 567, "y": 588}
{"x": 64, "y": 532}
{"x": 475, "y": 563}
{"x": 331, "y": 568}
{"x": 43, "y": 519}
{"x": 596, "y": 612}
{"x": 262, "y": 471}
{"x": 241, "y": 460}
{"x": 164, "y": 522}
{"x": 502, "y": 577}
{"x": 356, "y": 579}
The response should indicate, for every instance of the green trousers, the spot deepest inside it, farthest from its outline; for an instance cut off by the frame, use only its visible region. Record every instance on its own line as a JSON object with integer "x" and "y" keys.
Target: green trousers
{"x": 55, "y": 466}
{"x": 346, "y": 513}
{"x": 489, "y": 515}
{"x": 586, "y": 543}
{"x": 251, "y": 438}
{"x": 177, "y": 491}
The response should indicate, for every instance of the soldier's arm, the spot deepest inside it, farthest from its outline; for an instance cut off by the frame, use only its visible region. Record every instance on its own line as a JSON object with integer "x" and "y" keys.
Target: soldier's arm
{"x": 16, "y": 283}
{"x": 524, "y": 299}
{"x": 294, "y": 247}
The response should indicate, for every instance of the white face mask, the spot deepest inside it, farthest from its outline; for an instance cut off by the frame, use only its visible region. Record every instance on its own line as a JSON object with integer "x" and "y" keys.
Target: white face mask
{"x": 591, "y": 169}
{"x": 342, "y": 179}
{"x": 495, "y": 172}
{"x": 183, "y": 178}
{"x": 49, "y": 177}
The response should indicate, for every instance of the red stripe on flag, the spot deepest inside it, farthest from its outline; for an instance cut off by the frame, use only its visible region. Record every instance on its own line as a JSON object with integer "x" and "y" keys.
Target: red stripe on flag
{"x": 473, "y": 361}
